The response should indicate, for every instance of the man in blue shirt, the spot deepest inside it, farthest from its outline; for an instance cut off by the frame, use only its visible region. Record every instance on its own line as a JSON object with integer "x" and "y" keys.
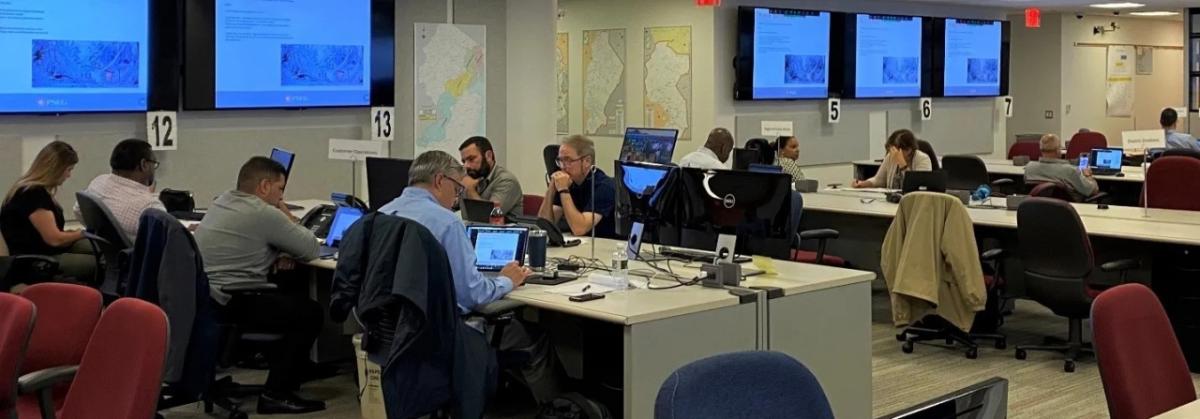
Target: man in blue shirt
{"x": 434, "y": 188}
{"x": 580, "y": 194}
{"x": 1168, "y": 119}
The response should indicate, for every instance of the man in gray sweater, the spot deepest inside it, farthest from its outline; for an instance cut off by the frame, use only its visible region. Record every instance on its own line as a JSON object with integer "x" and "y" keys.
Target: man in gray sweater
{"x": 247, "y": 233}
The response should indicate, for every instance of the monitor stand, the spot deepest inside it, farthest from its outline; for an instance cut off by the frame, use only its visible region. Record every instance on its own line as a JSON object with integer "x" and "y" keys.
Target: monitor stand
{"x": 635, "y": 241}
{"x": 726, "y": 244}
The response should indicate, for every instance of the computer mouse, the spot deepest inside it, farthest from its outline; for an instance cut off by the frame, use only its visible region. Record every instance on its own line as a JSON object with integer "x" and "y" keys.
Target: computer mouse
{"x": 1120, "y": 175}
{"x": 1102, "y": 206}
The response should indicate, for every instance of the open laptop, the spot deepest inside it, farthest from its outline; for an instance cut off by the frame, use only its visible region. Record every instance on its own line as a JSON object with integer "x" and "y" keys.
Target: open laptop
{"x": 477, "y": 210}
{"x": 496, "y": 246}
{"x": 287, "y": 159}
{"x": 1105, "y": 161}
{"x": 342, "y": 220}
{"x": 915, "y": 181}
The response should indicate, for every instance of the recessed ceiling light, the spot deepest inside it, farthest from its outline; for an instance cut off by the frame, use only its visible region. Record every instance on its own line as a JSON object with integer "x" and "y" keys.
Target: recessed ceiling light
{"x": 1154, "y": 14}
{"x": 1118, "y": 5}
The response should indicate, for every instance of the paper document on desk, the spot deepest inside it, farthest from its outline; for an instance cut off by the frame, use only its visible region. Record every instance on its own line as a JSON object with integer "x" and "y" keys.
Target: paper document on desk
{"x": 574, "y": 288}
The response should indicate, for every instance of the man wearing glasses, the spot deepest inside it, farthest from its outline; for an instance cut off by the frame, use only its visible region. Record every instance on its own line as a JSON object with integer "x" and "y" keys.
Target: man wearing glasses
{"x": 129, "y": 189}
{"x": 580, "y": 194}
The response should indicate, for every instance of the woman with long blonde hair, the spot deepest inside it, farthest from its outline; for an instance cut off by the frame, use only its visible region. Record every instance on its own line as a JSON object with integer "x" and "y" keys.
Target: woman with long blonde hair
{"x": 31, "y": 220}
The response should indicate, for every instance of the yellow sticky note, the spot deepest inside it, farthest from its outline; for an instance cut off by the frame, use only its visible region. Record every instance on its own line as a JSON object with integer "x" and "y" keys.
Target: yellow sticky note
{"x": 766, "y": 264}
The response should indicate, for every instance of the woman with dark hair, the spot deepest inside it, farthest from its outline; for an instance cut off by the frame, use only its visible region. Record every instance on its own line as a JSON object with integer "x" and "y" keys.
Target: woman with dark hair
{"x": 787, "y": 148}
{"x": 902, "y": 156}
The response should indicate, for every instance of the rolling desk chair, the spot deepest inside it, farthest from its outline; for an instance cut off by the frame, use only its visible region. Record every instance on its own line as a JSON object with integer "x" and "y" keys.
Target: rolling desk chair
{"x": 967, "y": 173}
{"x": 1062, "y": 192}
{"x": 1141, "y": 365}
{"x": 1085, "y": 142}
{"x": 550, "y": 159}
{"x": 1030, "y": 149}
{"x": 1182, "y": 152}
{"x": 531, "y": 204}
{"x": 822, "y": 236}
{"x": 1056, "y": 253}
{"x": 1173, "y": 182}
{"x": 112, "y": 244}
{"x": 23, "y": 268}
{"x": 16, "y": 324}
{"x": 60, "y": 335}
{"x": 751, "y": 385}
{"x": 927, "y": 148}
{"x": 766, "y": 153}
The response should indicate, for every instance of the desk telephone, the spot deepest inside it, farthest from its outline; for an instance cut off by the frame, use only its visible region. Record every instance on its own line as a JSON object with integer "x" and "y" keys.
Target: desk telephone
{"x": 319, "y": 219}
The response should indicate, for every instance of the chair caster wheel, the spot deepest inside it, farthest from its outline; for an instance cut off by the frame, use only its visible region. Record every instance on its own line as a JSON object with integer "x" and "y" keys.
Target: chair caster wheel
{"x": 907, "y": 347}
{"x": 1021, "y": 354}
{"x": 949, "y": 341}
{"x": 1001, "y": 344}
{"x": 900, "y": 337}
{"x": 972, "y": 353}
{"x": 1069, "y": 366}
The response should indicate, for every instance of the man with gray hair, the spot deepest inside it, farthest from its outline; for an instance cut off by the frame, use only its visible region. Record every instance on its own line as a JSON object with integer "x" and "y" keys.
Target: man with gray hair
{"x": 1051, "y": 168}
{"x": 580, "y": 196}
{"x": 433, "y": 189}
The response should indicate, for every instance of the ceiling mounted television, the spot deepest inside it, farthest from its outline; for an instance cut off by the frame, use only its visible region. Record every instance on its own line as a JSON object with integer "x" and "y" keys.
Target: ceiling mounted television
{"x": 786, "y": 54}
{"x": 972, "y": 57}
{"x": 887, "y": 56}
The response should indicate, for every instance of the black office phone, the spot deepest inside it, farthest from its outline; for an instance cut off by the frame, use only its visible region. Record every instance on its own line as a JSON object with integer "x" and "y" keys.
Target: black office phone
{"x": 320, "y": 219}
{"x": 554, "y": 236}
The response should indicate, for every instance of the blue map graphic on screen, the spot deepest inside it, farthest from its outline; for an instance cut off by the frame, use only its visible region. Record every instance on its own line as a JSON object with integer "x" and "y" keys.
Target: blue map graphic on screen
{"x": 321, "y": 65}
{"x": 983, "y": 70}
{"x": 86, "y": 64}
{"x": 901, "y": 70}
{"x": 804, "y": 69}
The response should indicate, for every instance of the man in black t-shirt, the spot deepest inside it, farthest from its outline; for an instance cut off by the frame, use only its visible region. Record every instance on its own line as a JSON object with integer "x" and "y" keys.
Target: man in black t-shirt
{"x": 581, "y": 195}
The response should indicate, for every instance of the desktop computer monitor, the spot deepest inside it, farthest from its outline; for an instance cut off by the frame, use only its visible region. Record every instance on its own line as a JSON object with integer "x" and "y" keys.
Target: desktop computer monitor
{"x": 746, "y": 209}
{"x": 651, "y": 145}
{"x": 643, "y": 192}
{"x": 386, "y": 179}
{"x": 744, "y": 157}
{"x": 285, "y": 158}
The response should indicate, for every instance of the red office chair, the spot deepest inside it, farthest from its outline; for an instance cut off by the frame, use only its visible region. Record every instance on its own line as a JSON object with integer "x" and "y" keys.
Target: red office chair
{"x": 16, "y": 324}
{"x": 1031, "y": 149}
{"x": 531, "y": 204}
{"x": 1084, "y": 142}
{"x": 1056, "y": 253}
{"x": 68, "y": 315}
{"x": 1142, "y": 368}
{"x": 1172, "y": 182}
{"x": 121, "y": 370}
{"x": 1062, "y": 192}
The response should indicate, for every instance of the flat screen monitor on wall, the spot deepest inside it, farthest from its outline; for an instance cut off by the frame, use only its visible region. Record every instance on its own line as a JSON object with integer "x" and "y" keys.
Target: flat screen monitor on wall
{"x": 81, "y": 56}
{"x": 888, "y": 56}
{"x": 973, "y": 57}
{"x": 785, "y": 54}
{"x": 293, "y": 54}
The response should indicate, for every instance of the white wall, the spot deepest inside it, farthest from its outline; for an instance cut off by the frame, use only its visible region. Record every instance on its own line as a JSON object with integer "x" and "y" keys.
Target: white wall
{"x": 1034, "y": 79}
{"x": 531, "y": 99}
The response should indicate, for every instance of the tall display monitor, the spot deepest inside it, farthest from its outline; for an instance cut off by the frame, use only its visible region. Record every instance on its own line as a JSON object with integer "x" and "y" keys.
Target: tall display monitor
{"x": 972, "y": 57}
{"x": 785, "y": 53}
{"x": 887, "y": 56}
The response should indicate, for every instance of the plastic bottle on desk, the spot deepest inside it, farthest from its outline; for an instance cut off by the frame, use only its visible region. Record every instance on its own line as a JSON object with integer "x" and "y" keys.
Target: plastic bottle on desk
{"x": 497, "y": 217}
{"x": 620, "y": 266}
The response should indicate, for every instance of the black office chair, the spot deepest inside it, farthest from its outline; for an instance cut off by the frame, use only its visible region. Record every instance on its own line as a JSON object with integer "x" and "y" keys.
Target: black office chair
{"x": 24, "y": 268}
{"x": 927, "y": 148}
{"x": 550, "y": 158}
{"x": 1062, "y": 192}
{"x": 1179, "y": 152}
{"x": 967, "y": 173}
{"x": 1057, "y": 257}
{"x": 766, "y": 152}
{"x": 112, "y": 245}
{"x": 821, "y": 236}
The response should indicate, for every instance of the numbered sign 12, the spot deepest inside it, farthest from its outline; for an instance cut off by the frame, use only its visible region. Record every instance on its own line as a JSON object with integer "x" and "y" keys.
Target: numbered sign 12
{"x": 926, "y": 108}
{"x": 382, "y": 120}
{"x": 162, "y": 130}
{"x": 1008, "y": 106}
{"x": 834, "y": 110}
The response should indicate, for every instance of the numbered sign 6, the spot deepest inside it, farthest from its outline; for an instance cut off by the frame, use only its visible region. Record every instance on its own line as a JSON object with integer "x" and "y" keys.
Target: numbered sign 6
{"x": 834, "y": 110}
{"x": 1008, "y": 106}
{"x": 381, "y": 123}
{"x": 162, "y": 130}
{"x": 926, "y": 108}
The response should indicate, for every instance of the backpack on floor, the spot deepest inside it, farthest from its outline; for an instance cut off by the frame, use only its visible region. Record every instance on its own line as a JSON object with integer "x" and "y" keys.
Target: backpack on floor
{"x": 573, "y": 406}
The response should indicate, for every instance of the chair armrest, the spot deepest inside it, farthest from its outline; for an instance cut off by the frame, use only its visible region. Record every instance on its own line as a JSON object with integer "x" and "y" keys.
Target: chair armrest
{"x": 819, "y": 234}
{"x": 1120, "y": 265}
{"x": 33, "y": 258}
{"x": 496, "y": 309}
{"x": 1002, "y": 181}
{"x": 89, "y": 236}
{"x": 39, "y": 380}
{"x": 992, "y": 254}
{"x": 1096, "y": 198}
{"x": 249, "y": 287}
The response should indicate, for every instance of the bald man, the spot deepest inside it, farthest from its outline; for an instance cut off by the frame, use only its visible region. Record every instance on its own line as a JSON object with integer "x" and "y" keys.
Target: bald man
{"x": 714, "y": 154}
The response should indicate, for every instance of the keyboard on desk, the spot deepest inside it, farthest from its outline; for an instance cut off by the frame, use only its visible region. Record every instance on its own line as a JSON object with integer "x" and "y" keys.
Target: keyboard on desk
{"x": 694, "y": 255}
{"x": 188, "y": 215}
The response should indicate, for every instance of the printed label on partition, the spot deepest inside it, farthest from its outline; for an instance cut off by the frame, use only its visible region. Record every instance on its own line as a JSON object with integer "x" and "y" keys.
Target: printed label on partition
{"x": 926, "y": 108}
{"x": 1008, "y": 106}
{"x": 771, "y": 129}
{"x": 381, "y": 123}
{"x": 1137, "y": 142}
{"x": 162, "y": 130}
{"x": 356, "y": 150}
{"x": 834, "y": 110}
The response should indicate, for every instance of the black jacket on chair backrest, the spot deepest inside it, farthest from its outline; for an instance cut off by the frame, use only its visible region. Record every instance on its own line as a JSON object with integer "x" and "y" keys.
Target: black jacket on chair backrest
{"x": 395, "y": 275}
{"x": 167, "y": 270}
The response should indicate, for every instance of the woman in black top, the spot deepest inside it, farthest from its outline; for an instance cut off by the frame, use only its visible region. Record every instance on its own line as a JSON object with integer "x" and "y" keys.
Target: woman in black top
{"x": 31, "y": 220}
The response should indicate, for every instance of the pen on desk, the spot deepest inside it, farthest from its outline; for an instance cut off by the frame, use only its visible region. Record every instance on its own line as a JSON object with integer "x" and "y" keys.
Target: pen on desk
{"x": 585, "y": 288}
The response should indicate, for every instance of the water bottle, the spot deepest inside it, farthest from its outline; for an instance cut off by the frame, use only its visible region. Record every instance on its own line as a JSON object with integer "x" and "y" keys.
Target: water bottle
{"x": 620, "y": 266}
{"x": 497, "y": 217}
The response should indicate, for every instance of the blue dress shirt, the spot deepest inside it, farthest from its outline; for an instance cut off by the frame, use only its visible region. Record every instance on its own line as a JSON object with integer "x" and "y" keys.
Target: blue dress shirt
{"x": 1181, "y": 140}
{"x": 471, "y": 288}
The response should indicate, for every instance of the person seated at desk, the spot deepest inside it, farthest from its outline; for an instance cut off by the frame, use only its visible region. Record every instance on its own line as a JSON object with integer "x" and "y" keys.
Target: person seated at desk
{"x": 433, "y": 190}
{"x": 1169, "y": 119}
{"x": 31, "y": 220}
{"x": 902, "y": 156}
{"x": 241, "y": 239}
{"x": 714, "y": 154}
{"x": 1052, "y": 168}
{"x": 129, "y": 189}
{"x": 788, "y": 149}
{"x": 570, "y": 195}
{"x": 486, "y": 180}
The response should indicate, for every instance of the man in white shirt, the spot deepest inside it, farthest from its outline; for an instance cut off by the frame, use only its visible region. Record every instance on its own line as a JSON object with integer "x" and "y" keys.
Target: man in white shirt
{"x": 714, "y": 154}
{"x": 129, "y": 189}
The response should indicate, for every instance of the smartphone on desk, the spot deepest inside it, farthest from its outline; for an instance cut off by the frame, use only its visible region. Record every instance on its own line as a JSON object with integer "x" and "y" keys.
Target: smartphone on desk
{"x": 1083, "y": 161}
{"x": 585, "y": 297}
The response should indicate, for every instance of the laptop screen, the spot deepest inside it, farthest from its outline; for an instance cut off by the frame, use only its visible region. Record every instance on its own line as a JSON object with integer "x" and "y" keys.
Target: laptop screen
{"x": 342, "y": 220}
{"x": 1107, "y": 158}
{"x": 496, "y": 246}
{"x": 284, "y": 158}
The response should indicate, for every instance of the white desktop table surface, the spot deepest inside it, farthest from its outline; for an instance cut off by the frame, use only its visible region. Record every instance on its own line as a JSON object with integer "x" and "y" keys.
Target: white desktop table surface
{"x": 1006, "y": 167}
{"x": 1187, "y": 411}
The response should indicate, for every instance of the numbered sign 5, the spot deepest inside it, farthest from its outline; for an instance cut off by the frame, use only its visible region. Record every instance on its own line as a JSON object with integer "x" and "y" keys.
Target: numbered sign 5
{"x": 1008, "y": 106}
{"x": 381, "y": 123}
{"x": 926, "y": 108}
{"x": 162, "y": 130}
{"x": 834, "y": 110}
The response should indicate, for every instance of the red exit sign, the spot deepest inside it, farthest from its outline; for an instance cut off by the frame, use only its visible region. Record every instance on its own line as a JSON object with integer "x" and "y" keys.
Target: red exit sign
{"x": 1033, "y": 17}
{"x": 708, "y": 3}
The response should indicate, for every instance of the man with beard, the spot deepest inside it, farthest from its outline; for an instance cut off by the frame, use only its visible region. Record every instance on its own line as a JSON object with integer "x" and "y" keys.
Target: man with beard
{"x": 129, "y": 189}
{"x": 486, "y": 180}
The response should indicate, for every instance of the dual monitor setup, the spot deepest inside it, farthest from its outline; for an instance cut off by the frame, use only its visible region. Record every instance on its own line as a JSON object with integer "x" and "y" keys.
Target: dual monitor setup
{"x": 806, "y": 54}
